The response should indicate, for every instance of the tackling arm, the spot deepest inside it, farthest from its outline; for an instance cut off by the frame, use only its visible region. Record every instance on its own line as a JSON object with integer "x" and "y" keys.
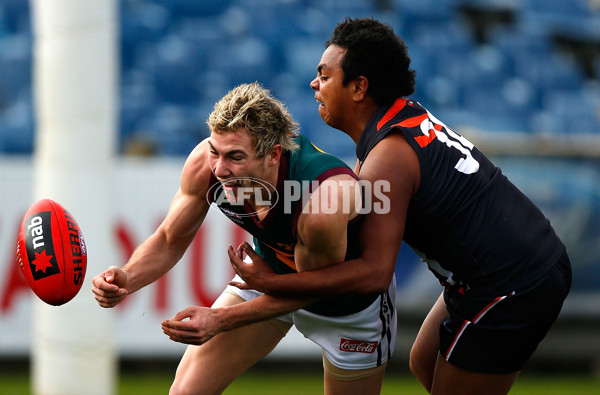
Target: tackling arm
{"x": 321, "y": 241}
{"x": 392, "y": 161}
{"x": 323, "y": 224}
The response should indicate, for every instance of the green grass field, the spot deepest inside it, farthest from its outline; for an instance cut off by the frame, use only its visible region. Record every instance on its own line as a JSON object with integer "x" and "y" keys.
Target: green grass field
{"x": 273, "y": 383}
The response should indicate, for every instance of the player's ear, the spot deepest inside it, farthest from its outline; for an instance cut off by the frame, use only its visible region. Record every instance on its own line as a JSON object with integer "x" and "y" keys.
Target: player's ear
{"x": 274, "y": 154}
{"x": 360, "y": 86}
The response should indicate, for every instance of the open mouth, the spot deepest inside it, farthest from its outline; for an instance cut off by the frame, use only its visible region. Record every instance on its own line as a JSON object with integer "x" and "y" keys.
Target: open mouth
{"x": 237, "y": 182}
{"x": 229, "y": 184}
{"x": 241, "y": 190}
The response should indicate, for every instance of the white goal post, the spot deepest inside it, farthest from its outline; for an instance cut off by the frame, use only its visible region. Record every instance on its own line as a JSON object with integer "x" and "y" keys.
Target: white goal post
{"x": 75, "y": 93}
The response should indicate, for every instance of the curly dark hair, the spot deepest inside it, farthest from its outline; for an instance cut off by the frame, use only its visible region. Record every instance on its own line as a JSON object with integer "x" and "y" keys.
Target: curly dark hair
{"x": 373, "y": 50}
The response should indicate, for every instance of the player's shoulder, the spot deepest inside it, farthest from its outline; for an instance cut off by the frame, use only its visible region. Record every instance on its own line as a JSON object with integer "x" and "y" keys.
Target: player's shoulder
{"x": 394, "y": 148}
{"x": 404, "y": 113}
{"x": 309, "y": 158}
{"x": 394, "y": 137}
{"x": 306, "y": 148}
{"x": 392, "y": 159}
{"x": 196, "y": 173}
{"x": 199, "y": 155}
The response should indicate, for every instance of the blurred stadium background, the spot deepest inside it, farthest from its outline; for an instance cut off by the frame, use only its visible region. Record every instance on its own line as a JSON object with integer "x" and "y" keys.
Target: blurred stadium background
{"x": 521, "y": 79}
{"x": 509, "y": 66}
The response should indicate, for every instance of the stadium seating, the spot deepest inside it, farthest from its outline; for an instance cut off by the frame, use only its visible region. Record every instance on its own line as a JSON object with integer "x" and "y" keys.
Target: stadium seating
{"x": 530, "y": 66}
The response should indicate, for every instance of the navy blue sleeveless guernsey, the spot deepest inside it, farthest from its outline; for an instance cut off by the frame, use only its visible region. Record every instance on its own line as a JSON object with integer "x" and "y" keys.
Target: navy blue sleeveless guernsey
{"x": 467, "y": 221}
{"x": 275, "y": 235}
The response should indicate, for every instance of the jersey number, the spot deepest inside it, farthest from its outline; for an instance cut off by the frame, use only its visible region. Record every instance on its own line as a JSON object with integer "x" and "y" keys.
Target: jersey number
{"x": 432, "y": 128}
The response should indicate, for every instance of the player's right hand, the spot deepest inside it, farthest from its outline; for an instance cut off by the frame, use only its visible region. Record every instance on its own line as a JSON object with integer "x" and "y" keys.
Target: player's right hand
{"x": 256, "y": 274}
{"x": 109, "y": 287}
{"x": 193, "y": 325}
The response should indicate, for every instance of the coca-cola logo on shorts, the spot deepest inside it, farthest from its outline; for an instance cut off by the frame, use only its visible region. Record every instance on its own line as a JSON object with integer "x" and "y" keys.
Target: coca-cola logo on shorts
{"x": 357, "y": 346}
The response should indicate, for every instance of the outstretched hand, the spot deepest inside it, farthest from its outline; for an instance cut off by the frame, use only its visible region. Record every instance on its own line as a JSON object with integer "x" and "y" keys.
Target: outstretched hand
{"x": 109, "y": 288}
{"x": 255, "y": 274}
{"x": 193, "y": 325}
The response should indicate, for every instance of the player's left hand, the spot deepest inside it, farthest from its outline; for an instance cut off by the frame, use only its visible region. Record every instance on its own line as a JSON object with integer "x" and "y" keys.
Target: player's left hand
{"x": 255, "y": 274}
{"x": 193, "y": 325}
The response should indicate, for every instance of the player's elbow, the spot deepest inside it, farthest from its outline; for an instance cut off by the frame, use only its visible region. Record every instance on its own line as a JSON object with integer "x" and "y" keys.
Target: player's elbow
{"x": 383, "y": 283}
{"x": 380, "y": 278}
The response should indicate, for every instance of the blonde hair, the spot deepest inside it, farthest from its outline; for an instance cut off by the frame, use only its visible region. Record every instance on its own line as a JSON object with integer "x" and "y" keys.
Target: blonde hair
{"x": 252, "y": 107}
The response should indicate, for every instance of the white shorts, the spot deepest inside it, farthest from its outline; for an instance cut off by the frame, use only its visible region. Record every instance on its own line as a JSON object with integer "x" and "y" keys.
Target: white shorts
{"x": 356, "y": 341}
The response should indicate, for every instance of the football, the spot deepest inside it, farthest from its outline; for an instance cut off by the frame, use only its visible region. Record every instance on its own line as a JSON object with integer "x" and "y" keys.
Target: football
{"x": 51, "y": 252}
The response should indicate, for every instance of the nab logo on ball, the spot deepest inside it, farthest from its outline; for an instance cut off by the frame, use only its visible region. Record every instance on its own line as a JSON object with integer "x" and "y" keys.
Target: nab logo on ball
{"x": 40, "y": 249}
{"x": 51, "y": 252}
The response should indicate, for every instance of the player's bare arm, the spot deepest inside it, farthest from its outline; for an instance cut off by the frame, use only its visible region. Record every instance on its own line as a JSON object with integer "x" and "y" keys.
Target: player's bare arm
{"x": 163, "y": 249}
{"x": 321, "y": 242}
{"x": 321, "y": 232}
{"x": 381, "y": 234}
{"x": 322, "y": 226}
{"x": 197, "y": 325}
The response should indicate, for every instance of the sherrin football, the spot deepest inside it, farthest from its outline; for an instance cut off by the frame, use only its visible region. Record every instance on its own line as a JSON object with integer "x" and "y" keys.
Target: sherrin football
{"x": 51, "y": 252}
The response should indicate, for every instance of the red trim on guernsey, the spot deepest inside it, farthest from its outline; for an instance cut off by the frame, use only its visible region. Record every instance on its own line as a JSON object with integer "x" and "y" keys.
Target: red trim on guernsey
{"x": 391, "y": 113}
{"x": 424, "y": 140}
{"x": 283, "y": 168}
{"x": 287, "y": 258}
{"x": 416, "y": 121}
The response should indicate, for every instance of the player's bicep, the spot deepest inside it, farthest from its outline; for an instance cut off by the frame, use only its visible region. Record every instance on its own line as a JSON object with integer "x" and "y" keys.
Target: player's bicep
{"x": 327, "y": 251}
{"x": 189, "y": 206}
{"x": 185, "y": 215}
{"x": 392, "y": 169}
{"x": 322, "y": 227}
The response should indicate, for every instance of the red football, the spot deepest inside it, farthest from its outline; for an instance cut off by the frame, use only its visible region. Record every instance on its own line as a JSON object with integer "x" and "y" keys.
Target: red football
{"x": 51, "y": 252}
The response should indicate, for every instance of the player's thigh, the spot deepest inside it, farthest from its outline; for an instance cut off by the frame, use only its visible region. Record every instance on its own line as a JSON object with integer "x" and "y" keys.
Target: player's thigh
{"x": 450, "y": 379}
{"x": 370, "y": 385}
{"x": 439, "y": 376}
{"x": 211, "y": 367}
{"x": 342, "y": 381}
{"x": 425, "y": 349}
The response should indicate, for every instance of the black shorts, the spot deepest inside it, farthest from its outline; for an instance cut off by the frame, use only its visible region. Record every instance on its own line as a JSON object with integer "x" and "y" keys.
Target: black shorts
{"x": 498, "y": 334}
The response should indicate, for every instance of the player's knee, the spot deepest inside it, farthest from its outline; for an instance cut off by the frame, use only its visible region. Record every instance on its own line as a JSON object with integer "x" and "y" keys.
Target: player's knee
{"x": 176, "y": 389}
{"x": 180, "y": 387}
{"x": 420, "y": 368}
{"x": 189, "y": 381}
{"x": 413, "y": 362}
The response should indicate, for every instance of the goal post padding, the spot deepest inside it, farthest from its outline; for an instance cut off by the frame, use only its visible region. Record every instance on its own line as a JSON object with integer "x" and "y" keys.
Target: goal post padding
{"x": 75, "y": 101}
